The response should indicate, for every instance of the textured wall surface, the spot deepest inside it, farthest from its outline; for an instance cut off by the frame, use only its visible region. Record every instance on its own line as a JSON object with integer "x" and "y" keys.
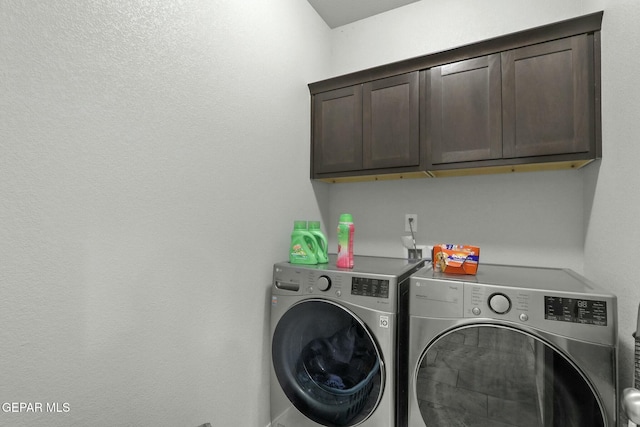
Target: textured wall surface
{"x": 612, "y": 191}
{"x": 146, "y": 148}
{"x": 153, "y": 155}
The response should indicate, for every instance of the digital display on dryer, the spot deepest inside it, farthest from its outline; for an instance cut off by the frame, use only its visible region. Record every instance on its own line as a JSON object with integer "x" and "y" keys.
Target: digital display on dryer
{"x": 589, "y": 312}
{"x": 363, "y": 286}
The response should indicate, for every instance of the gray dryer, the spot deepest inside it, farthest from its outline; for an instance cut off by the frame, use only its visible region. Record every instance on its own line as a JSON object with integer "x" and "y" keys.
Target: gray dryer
{"x": 511, "y": 346}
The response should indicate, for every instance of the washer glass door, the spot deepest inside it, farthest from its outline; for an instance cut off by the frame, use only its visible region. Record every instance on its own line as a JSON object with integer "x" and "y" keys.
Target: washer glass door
{"x": 327, "y": 363}
{"x": 496, "y": 376}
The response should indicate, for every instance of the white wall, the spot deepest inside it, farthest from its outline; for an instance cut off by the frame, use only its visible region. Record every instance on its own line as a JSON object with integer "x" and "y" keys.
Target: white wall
{"x": 153, "y": 156}
{"x": 612, "y": 199}
{"x": 429, "y": 26}
{"x": 564, "y": 218}
{"x": 515, "y": 219}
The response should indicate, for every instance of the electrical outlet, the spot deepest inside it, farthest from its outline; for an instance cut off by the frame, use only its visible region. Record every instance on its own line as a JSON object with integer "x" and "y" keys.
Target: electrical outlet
{"x": 414, "y": 253}
{"x": 414, "y": 223}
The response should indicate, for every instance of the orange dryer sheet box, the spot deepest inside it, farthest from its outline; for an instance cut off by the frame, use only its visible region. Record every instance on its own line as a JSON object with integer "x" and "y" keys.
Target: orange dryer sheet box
{"x": 456, "y": 259}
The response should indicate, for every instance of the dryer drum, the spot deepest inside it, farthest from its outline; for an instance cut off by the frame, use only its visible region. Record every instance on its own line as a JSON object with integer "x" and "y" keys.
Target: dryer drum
{"x": 500, "y": 376}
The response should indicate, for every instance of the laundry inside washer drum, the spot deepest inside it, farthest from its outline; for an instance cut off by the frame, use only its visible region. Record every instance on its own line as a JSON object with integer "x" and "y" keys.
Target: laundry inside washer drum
{"x": 341, "y": 361}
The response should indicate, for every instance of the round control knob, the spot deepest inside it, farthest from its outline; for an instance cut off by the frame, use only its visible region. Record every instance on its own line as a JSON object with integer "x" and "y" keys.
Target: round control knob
{"x": 499, "y": 303}
{"x": 323, "y": 283}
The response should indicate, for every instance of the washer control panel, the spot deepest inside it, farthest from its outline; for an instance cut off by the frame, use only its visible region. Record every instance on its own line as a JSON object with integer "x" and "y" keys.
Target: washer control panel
{"x": 367, "y": 290}
{"x": 370, "y": 287}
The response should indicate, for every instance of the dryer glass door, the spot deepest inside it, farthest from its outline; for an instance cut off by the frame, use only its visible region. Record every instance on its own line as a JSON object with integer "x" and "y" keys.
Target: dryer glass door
{"x": 327, "y": 363}
{"x": 497, "y": 376}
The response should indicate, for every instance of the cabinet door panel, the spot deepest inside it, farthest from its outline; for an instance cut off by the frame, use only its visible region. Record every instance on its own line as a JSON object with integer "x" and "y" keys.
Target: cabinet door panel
{"x": 337, "y": 130}
{"x": 391, "y": 122}
{"x": 547, "y": 101}
{"x": 465, "y": 111}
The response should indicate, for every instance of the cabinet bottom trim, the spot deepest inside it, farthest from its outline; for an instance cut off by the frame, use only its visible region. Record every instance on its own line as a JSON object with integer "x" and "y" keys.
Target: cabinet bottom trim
{"x": 381, "y": 177}
{"x": 535, "y": 167}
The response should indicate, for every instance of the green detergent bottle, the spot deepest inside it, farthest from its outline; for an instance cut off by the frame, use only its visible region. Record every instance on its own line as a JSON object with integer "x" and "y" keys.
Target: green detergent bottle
{"x": 304, "y": 247}
{"x": 322, "y": 255}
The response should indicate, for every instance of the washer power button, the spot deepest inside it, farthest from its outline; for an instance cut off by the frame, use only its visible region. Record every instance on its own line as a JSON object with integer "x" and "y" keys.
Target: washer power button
{"x": 323, "y": 283}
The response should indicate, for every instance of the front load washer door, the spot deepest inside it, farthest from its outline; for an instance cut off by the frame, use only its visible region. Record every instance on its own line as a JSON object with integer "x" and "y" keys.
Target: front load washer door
{"x": 328, "y": 363}
{"x": 497, "y": 376}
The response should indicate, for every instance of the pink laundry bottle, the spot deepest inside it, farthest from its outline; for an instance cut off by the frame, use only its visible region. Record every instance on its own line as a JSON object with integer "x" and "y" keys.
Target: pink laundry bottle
{"x": 346, "y": 230}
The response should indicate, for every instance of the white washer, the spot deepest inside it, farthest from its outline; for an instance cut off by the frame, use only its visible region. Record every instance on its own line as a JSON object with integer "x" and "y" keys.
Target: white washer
{"x": 511, "y": 346}
{"x": 335, "y": 343}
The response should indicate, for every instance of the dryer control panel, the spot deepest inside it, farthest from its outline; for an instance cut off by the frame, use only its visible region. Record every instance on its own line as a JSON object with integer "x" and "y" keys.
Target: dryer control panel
{"x": 555, "y": 300}
{"x": 582, "y": 317}
{"x": 576, "y": 310}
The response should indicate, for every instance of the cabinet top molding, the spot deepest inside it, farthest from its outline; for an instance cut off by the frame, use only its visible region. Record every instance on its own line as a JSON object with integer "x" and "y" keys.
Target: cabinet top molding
{"x": 583, "y": 24}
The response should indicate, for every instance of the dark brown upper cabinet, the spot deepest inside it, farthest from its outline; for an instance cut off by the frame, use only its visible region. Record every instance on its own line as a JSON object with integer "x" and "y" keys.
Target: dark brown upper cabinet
{"x": 367, "y": 129}
{"x": 337, "y": 131}
{"x": 524, "y": 101}
{"x": 463, "y": 109}
{"x": 391, "y": 128}
{"x": 548, "y": 98}
{"x": 530, "y": 105}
